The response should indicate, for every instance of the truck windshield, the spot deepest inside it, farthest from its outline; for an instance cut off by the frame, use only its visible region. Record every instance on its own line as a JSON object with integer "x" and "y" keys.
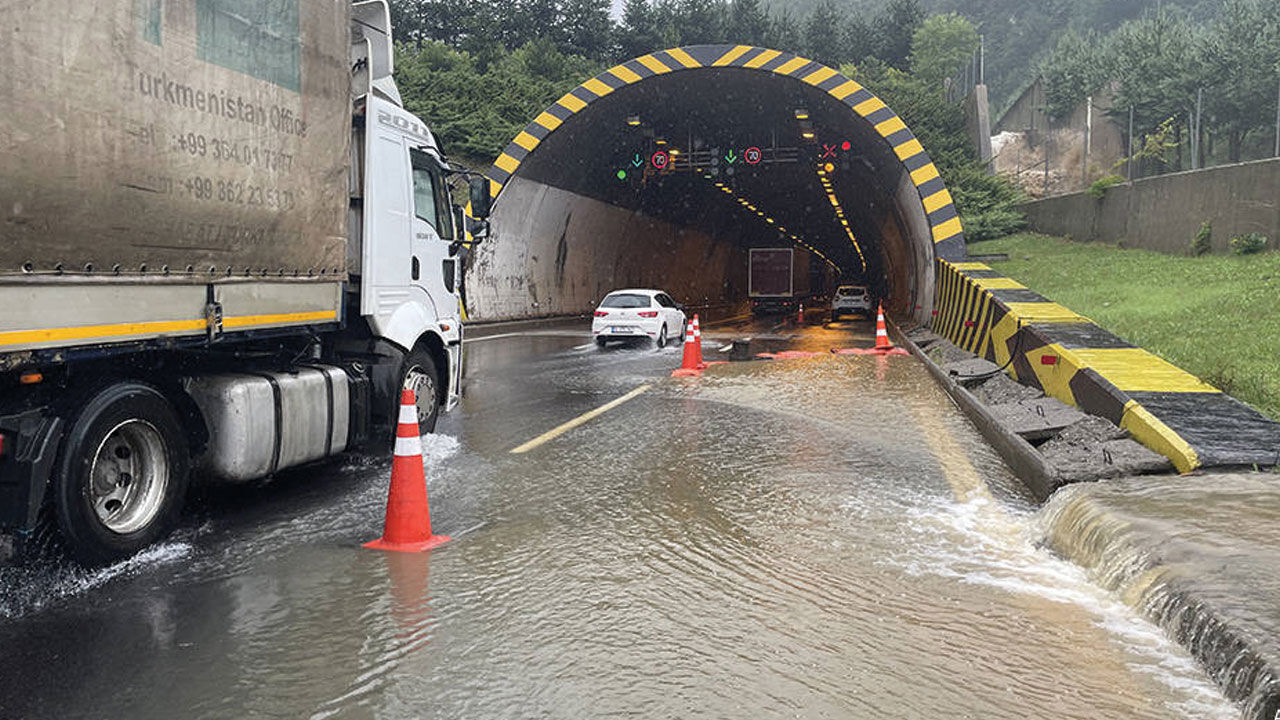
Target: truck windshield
{"x": 626, "y": 301}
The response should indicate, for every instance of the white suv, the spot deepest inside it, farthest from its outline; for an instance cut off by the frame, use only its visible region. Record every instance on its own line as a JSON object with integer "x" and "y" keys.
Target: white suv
{"x": 849, "y": 300}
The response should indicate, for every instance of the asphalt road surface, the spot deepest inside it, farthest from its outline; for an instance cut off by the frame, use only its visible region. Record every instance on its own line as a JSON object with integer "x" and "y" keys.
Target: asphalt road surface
{"x": 822, "y": 537}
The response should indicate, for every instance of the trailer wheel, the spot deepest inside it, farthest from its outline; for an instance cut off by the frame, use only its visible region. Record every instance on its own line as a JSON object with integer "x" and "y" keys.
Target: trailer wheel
{"x": 122, "y": 476}
{"x": 420, "y": 376}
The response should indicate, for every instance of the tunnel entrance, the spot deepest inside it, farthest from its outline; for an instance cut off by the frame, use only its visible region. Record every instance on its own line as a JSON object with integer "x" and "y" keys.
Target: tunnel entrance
{"x": 666, "y": 170}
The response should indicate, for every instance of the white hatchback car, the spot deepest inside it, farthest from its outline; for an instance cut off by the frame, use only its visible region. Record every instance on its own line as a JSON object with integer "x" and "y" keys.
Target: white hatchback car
{"x": 626, "y": 314}
{"x": 850, "y": 300}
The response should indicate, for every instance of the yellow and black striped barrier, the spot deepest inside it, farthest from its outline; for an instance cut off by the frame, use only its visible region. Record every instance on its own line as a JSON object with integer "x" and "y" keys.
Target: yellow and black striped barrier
{"x": 1066, "y": 355}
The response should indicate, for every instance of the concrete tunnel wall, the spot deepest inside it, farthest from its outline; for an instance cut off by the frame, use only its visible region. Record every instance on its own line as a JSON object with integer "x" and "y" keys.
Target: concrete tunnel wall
{"x": 560, "y": 242}
{"x": 557, "y": 253}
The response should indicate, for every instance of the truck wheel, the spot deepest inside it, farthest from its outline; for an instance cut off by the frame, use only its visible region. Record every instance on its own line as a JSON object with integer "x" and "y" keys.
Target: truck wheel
{"x": 122, "y": 476}
{"x": 420, "y": 376}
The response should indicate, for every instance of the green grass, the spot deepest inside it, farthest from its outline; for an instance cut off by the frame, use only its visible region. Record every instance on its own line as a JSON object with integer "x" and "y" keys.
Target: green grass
{"x": 1215, "y": 316}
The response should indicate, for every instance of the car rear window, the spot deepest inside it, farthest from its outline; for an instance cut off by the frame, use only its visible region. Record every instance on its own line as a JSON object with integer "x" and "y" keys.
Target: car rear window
{"x": 851, "y": 291}
{"x": 626, "y": 300}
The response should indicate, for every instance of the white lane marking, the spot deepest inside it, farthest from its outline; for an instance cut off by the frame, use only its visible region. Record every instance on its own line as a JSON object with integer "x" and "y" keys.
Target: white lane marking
{"x": 580, "y": 420}
{"x": 525, "y": 334}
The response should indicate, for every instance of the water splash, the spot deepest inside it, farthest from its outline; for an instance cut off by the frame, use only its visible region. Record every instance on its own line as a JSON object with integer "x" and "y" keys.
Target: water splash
{"x": 1184, "y": 575}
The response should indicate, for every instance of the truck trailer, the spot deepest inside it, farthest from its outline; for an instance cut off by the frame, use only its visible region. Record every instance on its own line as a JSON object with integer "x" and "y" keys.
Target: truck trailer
{"x": 225, "y": 248}
{"x": 780, "y": 279}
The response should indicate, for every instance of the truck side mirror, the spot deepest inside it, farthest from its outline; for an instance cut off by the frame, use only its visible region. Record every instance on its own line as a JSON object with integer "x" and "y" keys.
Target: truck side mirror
{"x": 480, "y": 199}
{"x": 479, "y": 229}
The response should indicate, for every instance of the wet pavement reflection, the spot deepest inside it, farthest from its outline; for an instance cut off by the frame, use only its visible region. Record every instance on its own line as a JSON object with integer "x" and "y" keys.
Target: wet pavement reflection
{"x": 821, "y": 537}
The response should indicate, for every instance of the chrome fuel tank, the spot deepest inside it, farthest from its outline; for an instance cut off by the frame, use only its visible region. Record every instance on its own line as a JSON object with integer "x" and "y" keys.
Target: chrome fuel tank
{"x": 263, "y": 422}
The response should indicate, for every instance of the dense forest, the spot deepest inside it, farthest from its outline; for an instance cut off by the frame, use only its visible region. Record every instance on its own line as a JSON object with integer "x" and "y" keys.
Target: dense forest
{"x": 479, "y": 70}
{"x": 1020, "y": 33}
{"x": 1167, "y": 63}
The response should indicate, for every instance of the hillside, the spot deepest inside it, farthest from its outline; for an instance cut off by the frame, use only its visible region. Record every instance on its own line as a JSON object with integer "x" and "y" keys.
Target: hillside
{"x": 1019, "y": 32}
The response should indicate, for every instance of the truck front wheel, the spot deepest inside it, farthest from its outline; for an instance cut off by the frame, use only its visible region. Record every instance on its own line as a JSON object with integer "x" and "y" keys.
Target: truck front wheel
{"x": 420, "y": 376}
{"x": 122, "y": 476}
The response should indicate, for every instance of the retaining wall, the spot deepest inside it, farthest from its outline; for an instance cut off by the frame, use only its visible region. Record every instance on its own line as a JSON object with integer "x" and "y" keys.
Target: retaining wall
{"x": 1163, "y": 213}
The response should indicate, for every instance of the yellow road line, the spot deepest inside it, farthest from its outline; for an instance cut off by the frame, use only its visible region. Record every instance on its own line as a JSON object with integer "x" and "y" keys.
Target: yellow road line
{"x": 578, "y": 421}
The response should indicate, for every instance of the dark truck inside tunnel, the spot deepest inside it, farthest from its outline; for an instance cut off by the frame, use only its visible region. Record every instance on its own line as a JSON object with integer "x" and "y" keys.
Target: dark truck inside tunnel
{"x": 669, "y": 178}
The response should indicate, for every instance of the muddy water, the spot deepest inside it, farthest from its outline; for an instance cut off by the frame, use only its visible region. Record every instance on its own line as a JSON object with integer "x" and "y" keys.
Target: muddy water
{"x": 755, "y": 543}
{"x": 1198, "y": 556}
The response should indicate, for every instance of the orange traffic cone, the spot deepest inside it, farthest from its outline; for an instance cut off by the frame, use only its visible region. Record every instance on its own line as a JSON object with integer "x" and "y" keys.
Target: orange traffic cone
{"x": 883, "y": 345}
{"x": 691, "y": 363}
{"x": 882, "y": 332}
{"x": 408, "y": 523}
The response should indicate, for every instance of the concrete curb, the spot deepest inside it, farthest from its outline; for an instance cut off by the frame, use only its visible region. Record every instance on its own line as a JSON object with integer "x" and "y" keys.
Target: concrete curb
{"x": 1025, "y": 461}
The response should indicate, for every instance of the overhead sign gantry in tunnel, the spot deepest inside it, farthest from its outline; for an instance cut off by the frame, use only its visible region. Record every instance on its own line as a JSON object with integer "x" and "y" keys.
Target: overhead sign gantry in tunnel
{"x": 665, "y": 170}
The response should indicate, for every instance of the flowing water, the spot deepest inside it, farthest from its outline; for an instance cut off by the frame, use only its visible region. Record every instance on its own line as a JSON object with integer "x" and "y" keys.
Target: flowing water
{"x": 1196, "y": 555}
{"x": 752, "y": 543}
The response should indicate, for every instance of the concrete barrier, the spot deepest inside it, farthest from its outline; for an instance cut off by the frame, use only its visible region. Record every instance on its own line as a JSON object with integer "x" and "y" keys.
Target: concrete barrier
{"x": 1163, "y": 213}
{"x": 1049, "y": 347}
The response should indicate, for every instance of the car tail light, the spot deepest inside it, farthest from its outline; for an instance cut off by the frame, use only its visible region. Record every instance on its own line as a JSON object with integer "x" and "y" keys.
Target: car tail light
{"x": 601, "y": 313}
{"x": 650, "y": 314}
{"x": 4, "y": 444}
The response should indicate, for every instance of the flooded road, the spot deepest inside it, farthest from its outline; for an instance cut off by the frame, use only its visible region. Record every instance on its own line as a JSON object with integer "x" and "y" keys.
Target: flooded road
{"x": 814, "y": 538}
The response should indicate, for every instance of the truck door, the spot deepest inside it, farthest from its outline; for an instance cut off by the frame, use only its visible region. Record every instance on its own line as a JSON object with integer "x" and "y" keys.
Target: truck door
{"x": 432, "y": 269}
{"x": 406, "y": 212}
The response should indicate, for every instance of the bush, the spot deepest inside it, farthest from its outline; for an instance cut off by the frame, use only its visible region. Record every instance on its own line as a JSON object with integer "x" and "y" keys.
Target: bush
{"x": 1203, "y": 241}
{"x": 1249, "y": 243}
{"x": 1102, "y": 184}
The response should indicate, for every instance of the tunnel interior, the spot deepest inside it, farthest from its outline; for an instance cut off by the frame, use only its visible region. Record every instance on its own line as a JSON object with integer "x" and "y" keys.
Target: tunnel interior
{"x": 669, "y": 180}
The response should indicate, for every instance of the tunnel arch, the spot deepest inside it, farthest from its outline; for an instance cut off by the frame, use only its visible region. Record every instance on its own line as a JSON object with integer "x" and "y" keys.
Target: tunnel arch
{"x": 924, "y": 222}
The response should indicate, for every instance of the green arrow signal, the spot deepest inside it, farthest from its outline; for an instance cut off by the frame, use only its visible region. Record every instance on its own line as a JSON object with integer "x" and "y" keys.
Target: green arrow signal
{"x": 731, "y": 157}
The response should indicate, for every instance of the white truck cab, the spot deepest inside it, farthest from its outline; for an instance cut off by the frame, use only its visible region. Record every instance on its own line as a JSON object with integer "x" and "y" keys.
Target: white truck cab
{"x": 251, "y": 299}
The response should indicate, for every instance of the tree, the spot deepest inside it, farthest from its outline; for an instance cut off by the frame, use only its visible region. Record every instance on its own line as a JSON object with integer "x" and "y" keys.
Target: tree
{"x": 860, "y": 40}
{"x": 639, "y": 33}
{"x": 700, "y": 22}
{"x": 896, "y": 25}
{"x": 1243, "y": 46}
{"x": 940, "y": 46}
{"x": 1155, "y": 65}
{"x": 1077, "y": 68}
{"x": 748, "y": 24}
{"x": 586, "y": 29}
{"x": 783, "y": 32}
{"x": 822, "y": 38}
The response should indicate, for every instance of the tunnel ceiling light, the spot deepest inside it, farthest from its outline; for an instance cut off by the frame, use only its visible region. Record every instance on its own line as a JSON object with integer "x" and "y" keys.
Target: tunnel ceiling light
{"x": 839, "y": 211}
{"x": 807, "y": 135}
{"x": 673, "y": 151}
{"x": 782, "y": 230}
{"x": 802, "y": 114}
{"x": 633, "y": 120}
{"x": 660, "y": 141}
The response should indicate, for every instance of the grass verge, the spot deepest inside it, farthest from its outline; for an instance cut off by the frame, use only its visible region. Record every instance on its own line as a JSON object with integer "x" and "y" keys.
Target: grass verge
{"x": 1215, "y": 316}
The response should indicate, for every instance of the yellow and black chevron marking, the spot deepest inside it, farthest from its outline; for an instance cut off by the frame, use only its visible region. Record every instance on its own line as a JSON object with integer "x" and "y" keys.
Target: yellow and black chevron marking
{"x": 948, "y": 235}
{"x": 1070, "y": 358}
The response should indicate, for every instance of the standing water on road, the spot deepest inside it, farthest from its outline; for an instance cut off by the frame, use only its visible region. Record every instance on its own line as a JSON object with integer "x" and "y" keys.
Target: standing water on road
{"x": 814, "y": 538}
